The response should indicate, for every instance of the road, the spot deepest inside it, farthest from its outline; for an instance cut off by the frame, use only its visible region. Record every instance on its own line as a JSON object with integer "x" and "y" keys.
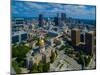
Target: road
{"x": 64, "y": 62}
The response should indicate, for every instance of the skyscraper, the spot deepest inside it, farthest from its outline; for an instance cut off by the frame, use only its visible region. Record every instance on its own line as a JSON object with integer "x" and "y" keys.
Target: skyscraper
{"x": 75, "y": 36}
{"x": 49, "y": 23}
{"x": 41, "y": 20}
{"x": 63, "y": 17}
{"x": 57, "y": 20}
{"x": 89, "y": 42}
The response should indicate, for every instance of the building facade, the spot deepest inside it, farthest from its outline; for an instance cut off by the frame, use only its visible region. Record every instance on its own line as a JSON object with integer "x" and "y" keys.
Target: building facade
{"x": 75, "y": 36}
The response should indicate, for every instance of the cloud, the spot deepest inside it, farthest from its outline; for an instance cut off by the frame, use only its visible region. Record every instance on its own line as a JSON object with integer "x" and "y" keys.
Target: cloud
{"x": 50, "y": 9}
{"x": 34, "y": 5}
{"x": 80, "y": 11}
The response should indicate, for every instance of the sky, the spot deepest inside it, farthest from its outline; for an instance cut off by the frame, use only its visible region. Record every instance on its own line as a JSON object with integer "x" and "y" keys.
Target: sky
{"x": 33, "y": 9}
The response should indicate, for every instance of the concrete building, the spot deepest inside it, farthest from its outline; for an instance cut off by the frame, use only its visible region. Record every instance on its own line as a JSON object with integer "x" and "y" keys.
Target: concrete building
{"x": 38, "y": 58}
{"x": 30, "y": 40}
{"x": 89, "y": 42}
{"x": 75, "y": 36}
{"x": 17, "y": 24}
{"x": 29, "y": 59}
{"x": 19, "y": 36}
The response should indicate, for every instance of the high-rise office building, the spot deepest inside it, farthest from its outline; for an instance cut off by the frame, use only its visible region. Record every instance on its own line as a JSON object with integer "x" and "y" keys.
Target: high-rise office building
{"x": 89, "y": 42}
{"x": 41, "y": 20}
{"x": 57, "y": 20}
{"x": 49, "y": 24}
{"x": 63, "y": 17}
{"x": 75, "y": 36}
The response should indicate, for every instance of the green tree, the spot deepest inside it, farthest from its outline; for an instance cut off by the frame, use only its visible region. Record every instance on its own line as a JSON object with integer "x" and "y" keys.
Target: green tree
{"x": 81, "y": 58}
{"x": 56, "y": 53}
{"x": 40, "y": 67}
{"x": 52, "y": 57}
{"x": 62, "y": 47}
{"x": 19, "y": 50}
{"x": 16, "y": 67}
{"x": 46, "y": 67}
{"x": 34, "y": 69}
{"x": 87, "y": 60}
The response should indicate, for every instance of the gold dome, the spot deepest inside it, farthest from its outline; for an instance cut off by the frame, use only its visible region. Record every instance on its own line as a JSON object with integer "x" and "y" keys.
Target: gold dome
{"x": 41, "y": 42}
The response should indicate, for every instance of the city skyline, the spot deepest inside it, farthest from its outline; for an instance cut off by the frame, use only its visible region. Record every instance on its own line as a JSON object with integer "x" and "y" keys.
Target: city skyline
{"x": 51, "y": 37}
{"x": 33, "y": 9}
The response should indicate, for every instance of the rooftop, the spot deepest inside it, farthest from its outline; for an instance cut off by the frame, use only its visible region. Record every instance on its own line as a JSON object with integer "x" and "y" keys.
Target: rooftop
{"x": 90, "y": 32}
{"x": 76, "y": 29}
